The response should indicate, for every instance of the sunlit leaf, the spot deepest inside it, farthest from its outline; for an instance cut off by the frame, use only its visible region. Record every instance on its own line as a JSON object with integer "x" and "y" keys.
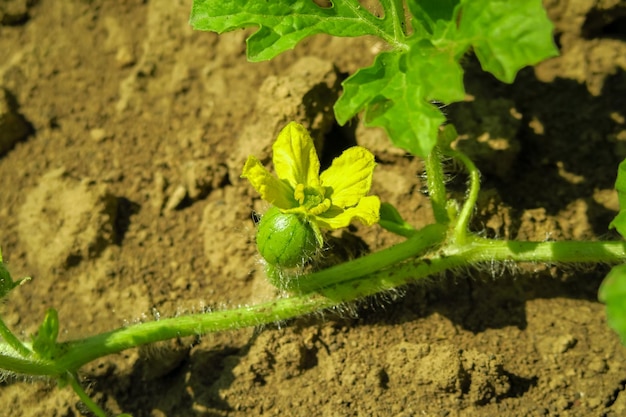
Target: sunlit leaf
{"x": 284, "y": 23}
{"x": 402, "y": 91}
{"x": 507, "y": 35}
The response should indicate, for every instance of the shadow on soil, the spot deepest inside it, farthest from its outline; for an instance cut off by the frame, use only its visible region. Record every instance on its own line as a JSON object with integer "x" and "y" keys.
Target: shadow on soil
{"x": 568, "y": 139}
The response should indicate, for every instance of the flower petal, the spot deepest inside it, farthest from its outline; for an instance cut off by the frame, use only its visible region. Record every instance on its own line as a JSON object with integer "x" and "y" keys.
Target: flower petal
{"x": 295, "y": 158}
{"x": 367, "y": 211}
{"x": 349, "y": 176}
{"x": 272, "y": 190}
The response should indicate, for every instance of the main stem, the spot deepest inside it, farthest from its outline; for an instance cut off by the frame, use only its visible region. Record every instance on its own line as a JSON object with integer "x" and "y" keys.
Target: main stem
{"x": 326, "y": 291}
{"x": 436, "y": 186}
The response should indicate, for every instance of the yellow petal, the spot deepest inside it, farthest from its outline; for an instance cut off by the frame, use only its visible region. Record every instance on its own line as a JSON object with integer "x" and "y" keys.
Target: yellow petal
{"x": 367, "y": 211}
{"x": 271, "y": 189}
{"x": 295, "y": 159}
{"x": 349, "y": 176}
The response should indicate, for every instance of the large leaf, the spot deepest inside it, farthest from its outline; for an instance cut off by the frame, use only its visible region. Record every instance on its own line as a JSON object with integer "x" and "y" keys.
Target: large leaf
{"x": 284, "y": 23}
{"x": 507, "y": 35}
{"x": 396, "y": 93}
{"x": 428, "y": 13}
{"x": 400, "y": 92}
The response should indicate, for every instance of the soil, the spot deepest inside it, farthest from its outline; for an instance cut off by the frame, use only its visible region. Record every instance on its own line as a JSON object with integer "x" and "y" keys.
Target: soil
{"x": 123, "y": 133}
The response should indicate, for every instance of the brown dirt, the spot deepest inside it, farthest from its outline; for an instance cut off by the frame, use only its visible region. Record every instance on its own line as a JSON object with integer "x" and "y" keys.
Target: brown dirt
{"x": 125, "y": 205}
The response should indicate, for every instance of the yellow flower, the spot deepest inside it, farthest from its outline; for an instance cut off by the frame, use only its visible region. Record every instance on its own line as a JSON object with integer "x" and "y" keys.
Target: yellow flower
{"x": 330, "y": 200}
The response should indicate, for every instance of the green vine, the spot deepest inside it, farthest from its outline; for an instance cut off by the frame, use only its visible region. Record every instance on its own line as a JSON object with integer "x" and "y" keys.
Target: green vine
{"x": 398, "y": 93}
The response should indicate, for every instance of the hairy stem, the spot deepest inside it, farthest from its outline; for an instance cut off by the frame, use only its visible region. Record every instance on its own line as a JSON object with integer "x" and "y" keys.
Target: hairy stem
{"x": 436, "y": 186}
{"x": 91, "y": 405}
{"x": 422, "y": 240}
{"x": 341, "y": 289}
{"x": 28, "y": 365}
{"x": 462, "y": 221}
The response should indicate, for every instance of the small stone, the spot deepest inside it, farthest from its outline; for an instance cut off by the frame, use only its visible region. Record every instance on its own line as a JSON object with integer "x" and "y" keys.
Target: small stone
{"x": 157, "y": 198}
{"x": 98, "y": 135}
{"x": 597, "y": 365}
{"x": 555, "y": 345}
{"x": 564, "y": 343}
{"x": 124, "y": 57}
{"x": 177, "y": 197}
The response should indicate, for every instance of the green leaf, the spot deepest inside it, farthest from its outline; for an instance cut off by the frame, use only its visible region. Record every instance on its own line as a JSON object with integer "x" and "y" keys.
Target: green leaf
{"x": 284, "y": 23}
{"x": 612, "y": 292}
{"x": 390, "y": 219}
{"x": 396, "y": 92}
{"x": 619, "y": 222}
{"x": 507, "y": 35}
{"x": 6, "y": 281}
{"x": 394, "y": 18}
{"x": 447, "y": 135}
{"x": 45, "y": 342}
{"x": 427, "y": 13}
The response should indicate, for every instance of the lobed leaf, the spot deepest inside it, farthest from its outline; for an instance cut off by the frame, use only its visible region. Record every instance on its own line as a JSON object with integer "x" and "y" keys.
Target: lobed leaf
{"x": 430, "y": 14}
{"x": 396, "y": 94}
{"x": 284, "y": 23}
{"x": 401, "y": 90}
{"x": 612, "y": 292}
{"x": 507, "y": 35}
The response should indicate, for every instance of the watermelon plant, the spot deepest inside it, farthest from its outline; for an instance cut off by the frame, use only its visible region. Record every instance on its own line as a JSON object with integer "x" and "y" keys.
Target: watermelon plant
{"x": 401, "y": 92}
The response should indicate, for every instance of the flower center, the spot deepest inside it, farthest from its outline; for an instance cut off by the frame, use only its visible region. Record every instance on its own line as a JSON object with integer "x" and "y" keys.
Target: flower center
{"x": 312, "y": 199}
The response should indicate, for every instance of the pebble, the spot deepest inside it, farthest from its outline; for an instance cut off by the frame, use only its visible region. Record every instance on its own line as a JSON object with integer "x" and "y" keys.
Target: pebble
{"x": 177, "y": 197}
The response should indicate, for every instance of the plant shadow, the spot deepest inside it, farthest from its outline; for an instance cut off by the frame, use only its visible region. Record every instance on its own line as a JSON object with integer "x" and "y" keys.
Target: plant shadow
{"x": 544, "y": 145}
{"x": 168, "y": 378}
